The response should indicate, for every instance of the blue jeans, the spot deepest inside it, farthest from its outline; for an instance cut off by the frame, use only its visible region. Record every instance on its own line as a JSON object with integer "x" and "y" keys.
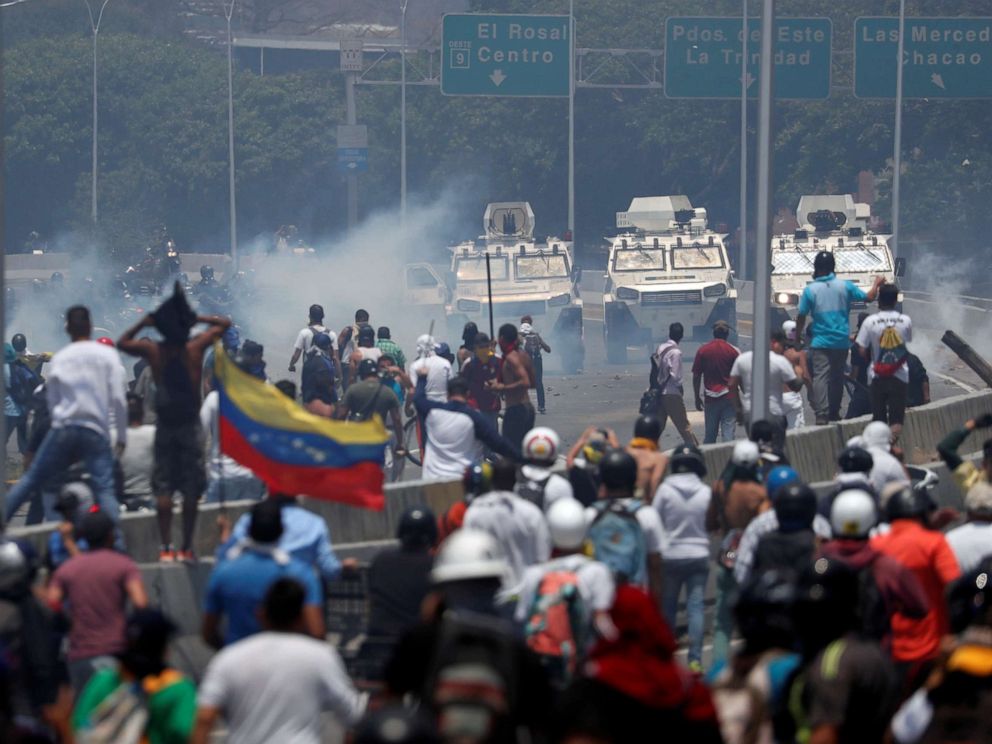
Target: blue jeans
{"x": 723, "y": 622}
{"x": 60, "y": 449}
{"x": 691, "y": 573}
{"x": 720, "y": 417}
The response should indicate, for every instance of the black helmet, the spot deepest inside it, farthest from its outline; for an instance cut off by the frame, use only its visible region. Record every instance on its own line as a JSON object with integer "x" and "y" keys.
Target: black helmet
{"x": 824, "y": 263}
{"x": 795, "y": 507}
{"x": 478, "y": 478}
{"x": 969, "y": 599}
{"x": 764, "y": 610}
{"x": 618, "y": 470}
{"x": 206, "y": 272}
{"x": 908, "y": 503}
{"x": 687, "y": 459}
{"x": 827, "y": 601}
{"x": 19, "y": 342}
{"x": 396, "y": 725}
{"x": 366, "y": 334}
{"x": 417, "y": 528}
{"x": 855, "y": 460}
{"x": 648, "y": 427}
{"x": 56, "y": 277}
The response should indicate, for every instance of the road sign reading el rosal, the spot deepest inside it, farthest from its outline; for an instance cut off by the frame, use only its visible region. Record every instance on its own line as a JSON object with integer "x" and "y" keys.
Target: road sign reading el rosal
{"x": 504, "y": 55}
{"x": 703, "y": 57}
{"x": 942, "y": 57}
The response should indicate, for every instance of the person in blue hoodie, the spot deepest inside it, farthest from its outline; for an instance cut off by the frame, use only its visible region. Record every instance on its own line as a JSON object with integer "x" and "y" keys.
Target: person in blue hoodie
{"x": 682, "y": 501}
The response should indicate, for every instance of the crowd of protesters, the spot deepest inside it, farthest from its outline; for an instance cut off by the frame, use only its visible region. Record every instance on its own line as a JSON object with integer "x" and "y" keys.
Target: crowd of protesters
{"x": 550, "y": 602}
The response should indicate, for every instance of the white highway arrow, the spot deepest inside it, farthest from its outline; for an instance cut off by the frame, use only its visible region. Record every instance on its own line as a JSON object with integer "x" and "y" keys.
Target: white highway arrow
{"x": 497, "y": 77}
{"x": 748, "y": 80}
{"x": 938, "y": 80}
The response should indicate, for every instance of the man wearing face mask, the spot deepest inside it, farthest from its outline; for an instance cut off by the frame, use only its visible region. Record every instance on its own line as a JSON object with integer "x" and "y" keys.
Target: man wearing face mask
{"x": 479, "y": 370}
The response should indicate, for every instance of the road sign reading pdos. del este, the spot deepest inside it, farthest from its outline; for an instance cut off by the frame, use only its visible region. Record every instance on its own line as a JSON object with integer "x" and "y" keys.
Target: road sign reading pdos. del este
{"x": 942, "y": 57}
{"x": 505, "y": 55}
{"x": 703, "y": 57}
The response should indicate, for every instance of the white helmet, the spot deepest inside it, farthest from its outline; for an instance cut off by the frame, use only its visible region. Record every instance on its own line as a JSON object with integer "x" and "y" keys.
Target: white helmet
{"x": 746, "y": 453}
{"x": 541, "y": 445}
{"x": 567, "y": 524}
{"x": 853, "y": 513}
{"x": 789, "y": 329}
{"x": 877, "y": 435}
{"x": 469, "y": 554}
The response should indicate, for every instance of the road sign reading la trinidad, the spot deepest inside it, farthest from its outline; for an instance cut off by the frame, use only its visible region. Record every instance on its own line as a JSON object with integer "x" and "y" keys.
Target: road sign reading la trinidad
{"x": 505, "y": 55}
{"x": 942, "y": 57}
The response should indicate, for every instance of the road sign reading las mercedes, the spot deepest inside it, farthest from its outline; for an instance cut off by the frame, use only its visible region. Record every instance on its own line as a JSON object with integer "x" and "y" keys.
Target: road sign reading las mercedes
{"x": 942, "y": 57}
{"x": 703, "y": 57}
{"x": 505, "y": 55}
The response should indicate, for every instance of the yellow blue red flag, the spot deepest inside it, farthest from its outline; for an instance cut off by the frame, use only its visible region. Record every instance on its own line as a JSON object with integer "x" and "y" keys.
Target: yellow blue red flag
{"x": 293, "y": 450}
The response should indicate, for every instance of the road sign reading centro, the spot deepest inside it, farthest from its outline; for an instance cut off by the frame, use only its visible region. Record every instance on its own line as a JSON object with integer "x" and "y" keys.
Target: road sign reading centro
{"x": 505, "y": 55}
{"x": 703, "y": 57}
{"x": 942, "y": 57}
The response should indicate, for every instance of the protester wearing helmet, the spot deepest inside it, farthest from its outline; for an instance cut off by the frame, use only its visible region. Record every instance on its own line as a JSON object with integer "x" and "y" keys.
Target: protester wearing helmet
{"x": 886, "y": 468}
{"x": 793, "y": 542}
{"x": 925, "y": 552}
{"x": 399, "y": 578}
{"x": 538, "y": 481}
{"x": 583, "y": 461}
{"x": 682, "y": 502}
{"x": 33, "y": 361}
{"x": 651, "y": 463}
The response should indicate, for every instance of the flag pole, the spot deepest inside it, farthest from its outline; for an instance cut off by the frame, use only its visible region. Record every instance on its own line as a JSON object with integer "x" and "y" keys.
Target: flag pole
{"x": 489, "y": 290}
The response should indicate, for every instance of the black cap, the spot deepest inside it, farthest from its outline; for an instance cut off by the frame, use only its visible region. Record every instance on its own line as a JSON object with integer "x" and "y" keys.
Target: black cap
{"x": 855, "y": 460}
{"x": 417, "y": 527}
{"x": 266, "y": 522}
{"x": 367, "y": 368}
{"x": 618, "y": 470}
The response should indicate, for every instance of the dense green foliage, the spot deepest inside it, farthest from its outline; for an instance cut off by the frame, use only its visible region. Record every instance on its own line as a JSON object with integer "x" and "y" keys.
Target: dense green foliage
{"x": 163, "y": 136}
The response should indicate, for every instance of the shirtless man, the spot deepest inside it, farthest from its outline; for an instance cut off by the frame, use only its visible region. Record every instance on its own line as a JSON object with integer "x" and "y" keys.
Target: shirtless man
{"x": 176, "y": 363}
{"x": 651, "y": 463}
{"x": 516, "y": 379}
{"x": 793, "y": 401}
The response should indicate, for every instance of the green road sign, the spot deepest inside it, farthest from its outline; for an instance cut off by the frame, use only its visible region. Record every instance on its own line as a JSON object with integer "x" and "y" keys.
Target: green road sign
{"x": 703, "y": 57}
{"x": 943, "y": 57}
{"x": 504, "y": 55}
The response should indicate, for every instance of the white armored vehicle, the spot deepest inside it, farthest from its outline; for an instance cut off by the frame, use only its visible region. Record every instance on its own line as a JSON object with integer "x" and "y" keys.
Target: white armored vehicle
{"x": 528, "y": 278}
{"x": 832, "y": 223}
{"x": 665, "y": 266}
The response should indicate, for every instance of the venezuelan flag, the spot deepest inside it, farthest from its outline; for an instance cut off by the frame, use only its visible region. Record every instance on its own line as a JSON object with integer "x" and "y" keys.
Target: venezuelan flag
{"x": 294, "y": 451}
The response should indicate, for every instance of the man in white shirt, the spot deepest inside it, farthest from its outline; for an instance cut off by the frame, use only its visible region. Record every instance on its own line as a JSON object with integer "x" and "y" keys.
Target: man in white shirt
{"x": 882, "y": 341}
{"x": 517, "y": 524}
{"x": 437, "y": 370}
{"x": 886, "y": 468}
{"x": 304, "y": 339}
{"x": 85, "y": 391}
{"x": 273, "y": 686}
{"x": 666, "y": 376}
{"x": 972, "y": 541}
{"x": 781, "y": 374}
{"x": 227, "y": 480}
{"x": 138, "y": 459}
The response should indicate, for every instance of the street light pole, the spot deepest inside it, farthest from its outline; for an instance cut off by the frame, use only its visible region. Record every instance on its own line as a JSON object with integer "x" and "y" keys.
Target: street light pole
{"x": 229, "y": 12}
{"x": 403, "y": 113}
{"x": 742, "y": 248}
{"x": 897, "y": 134}
{"x": 571, "y": 120}
{"x": 95, "y": 28}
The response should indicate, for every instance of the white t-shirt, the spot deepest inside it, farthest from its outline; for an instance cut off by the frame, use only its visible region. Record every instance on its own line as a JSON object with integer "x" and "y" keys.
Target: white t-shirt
{"x": 451, "y": 445}
{"x": 971, "y": 542}
{"x": 595, "y": 583}
{"x": 870, "y": 337}
{"x": 780, "y": 372}
{"x": 304, "y": 340}
{"x": 218, "y": 465}
{"x": 138, "y": 460}
{"x": 86, "y": 387}
{"x": 272, "y": 687}
{"x": 438, "y": 370}
{"x": 517, "y": 525}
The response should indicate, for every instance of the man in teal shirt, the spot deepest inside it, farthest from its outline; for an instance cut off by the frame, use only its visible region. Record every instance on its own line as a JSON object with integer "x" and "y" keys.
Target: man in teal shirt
{"x": 828, "y": 300}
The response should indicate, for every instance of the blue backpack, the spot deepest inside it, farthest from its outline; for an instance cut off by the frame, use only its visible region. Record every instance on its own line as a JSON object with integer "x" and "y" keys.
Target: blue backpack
{"x": 617, "y": 539}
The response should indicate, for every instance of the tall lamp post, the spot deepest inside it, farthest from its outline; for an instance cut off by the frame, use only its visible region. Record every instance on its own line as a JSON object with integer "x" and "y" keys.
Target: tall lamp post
{"x": 897, "y": 133}
{"x": 95, "y": 21}
{"x": 403, "y": 112}
{"x": 229, "y": 13}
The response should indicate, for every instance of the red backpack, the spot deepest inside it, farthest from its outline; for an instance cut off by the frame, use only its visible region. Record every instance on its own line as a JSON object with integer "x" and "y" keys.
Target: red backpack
{"x": 557, "y": 618}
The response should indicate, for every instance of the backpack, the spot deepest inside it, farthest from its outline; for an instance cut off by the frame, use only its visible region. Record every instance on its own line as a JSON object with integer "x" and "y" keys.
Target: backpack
{"x": 618, "y": 541}
{"x": 531, "y": 489}
{"x": 872, "y": 610}
{"x": 120, "y": 718}
{"x": 532, "y": 345}
{"x": 472, "y": 678}
{"x": 892, "y": 351}
{"x": 557, "y": 619}
{"x": 23, "y": 382}
{"x": 743, "y": 703}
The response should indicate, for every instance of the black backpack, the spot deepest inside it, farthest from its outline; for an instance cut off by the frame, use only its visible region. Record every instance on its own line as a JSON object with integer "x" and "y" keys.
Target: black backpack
{"x": 23, "y": 382}
{"x": 532, "y": 489}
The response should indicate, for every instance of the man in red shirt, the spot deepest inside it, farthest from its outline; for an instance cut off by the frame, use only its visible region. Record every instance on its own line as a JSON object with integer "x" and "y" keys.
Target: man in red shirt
{"x": 916, "y": 642}
{"x": 480, "y": 369}
{"x": 712, "y": 366}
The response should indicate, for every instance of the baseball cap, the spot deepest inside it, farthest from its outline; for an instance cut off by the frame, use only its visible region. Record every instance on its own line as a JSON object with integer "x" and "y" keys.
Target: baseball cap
{"x": 442, "y": 349}
{"x": 367, "y": 367}
{"x": 979, "y": 498}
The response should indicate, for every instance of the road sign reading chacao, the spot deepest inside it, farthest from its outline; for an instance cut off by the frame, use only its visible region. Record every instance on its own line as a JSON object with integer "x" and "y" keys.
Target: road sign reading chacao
{"x": 505, "y": 55}
{"x": 942, "y": 57}
{"x": 703, "y": 57}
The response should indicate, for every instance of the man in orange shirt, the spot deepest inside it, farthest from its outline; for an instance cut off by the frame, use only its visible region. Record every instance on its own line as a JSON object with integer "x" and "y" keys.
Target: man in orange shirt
{"x": 925, "y": 552}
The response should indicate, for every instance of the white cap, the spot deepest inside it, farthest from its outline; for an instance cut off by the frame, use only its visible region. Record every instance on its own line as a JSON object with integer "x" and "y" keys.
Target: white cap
{"x": 469, "y": 554}
{"x": 567, "y": 524}
{"x": 878, "y": 435}
{"x": 541, "y": 444}
{"x": 746, "y": 453}
{"x": 853, "y": 514}
{"x": 789, "y": 329}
